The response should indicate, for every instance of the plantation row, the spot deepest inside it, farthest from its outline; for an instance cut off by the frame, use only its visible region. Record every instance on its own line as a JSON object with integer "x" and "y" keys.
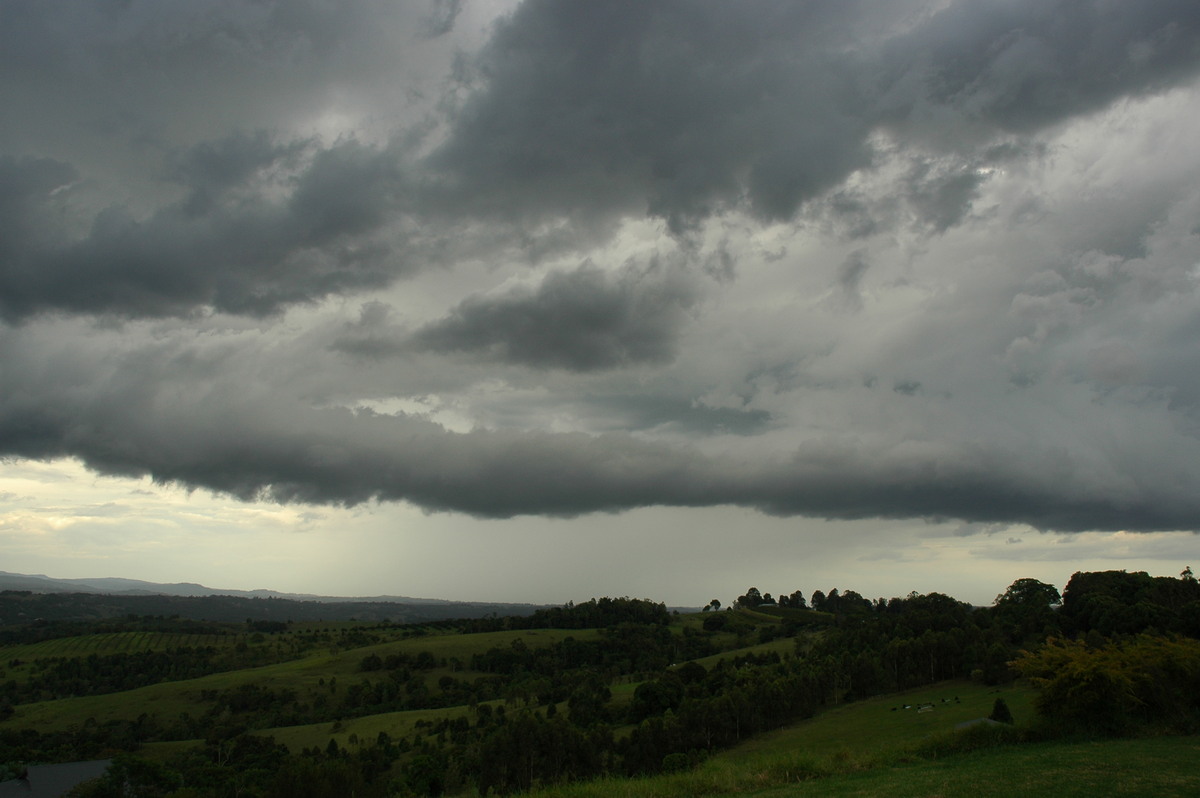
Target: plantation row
{"x": 113, "y": 643}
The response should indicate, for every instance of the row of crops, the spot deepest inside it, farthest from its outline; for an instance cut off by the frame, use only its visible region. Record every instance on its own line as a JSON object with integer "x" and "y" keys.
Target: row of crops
{"x": 113, "y": 643}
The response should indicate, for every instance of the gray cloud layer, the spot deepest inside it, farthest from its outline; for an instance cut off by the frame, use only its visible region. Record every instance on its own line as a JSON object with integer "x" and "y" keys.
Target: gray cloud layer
{"x": 141, "y": 412}
{"x": 834, "y": 257}
{"x": 577, "y": 110}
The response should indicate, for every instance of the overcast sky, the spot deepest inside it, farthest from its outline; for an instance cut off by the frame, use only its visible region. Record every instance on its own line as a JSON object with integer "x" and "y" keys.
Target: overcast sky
{"x": 550, "y": 300}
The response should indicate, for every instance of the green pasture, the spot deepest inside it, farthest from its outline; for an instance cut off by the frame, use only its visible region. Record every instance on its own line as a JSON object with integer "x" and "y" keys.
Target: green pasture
{"x": 165, "y": 700}
{"x": 354, "y": 732}
{"x": 1160, "y": 767}
{"x": 350, "y": 733}
{"x": 782, "y": 646}
{"x": 307, "y": 675}
{"x": 856, "y": 737}
{"x": 881, "y": 726}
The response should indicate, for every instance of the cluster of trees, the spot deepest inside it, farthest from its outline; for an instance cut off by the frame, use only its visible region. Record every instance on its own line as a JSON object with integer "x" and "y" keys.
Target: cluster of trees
{"x": 42, "y": 629}
{"x": 592, "y": 614}
{"x": 834, "y": 602}
{"x": 96, "y": 674}
{"x": 1117, "y": 602}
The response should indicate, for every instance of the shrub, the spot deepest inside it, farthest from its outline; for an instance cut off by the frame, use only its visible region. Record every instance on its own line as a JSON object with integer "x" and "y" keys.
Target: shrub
{"x": 1000, "y": 712}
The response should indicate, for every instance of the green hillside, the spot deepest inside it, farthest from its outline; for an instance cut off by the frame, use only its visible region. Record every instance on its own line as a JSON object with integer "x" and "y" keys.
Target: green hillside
{"x": 623, "y": 697}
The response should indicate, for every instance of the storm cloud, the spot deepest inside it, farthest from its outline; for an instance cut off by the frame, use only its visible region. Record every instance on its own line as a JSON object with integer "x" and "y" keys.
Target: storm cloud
{"x": 229, "y": 245}
{"x": 580, "y": 320}
{"x": 832, "y": 259}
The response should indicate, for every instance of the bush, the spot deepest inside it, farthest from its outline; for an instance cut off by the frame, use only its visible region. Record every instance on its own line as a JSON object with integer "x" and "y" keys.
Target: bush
{"x": 973, "y": 738}
{"x": 1000, "y": 712}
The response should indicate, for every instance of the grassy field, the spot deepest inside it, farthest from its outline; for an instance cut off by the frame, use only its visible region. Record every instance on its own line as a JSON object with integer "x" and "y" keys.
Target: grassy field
{"x": 782, "y": 646}
{"x": 306, "y": 675}
{"x": 867, "y": 749}
{"x": 1162, "y": 767}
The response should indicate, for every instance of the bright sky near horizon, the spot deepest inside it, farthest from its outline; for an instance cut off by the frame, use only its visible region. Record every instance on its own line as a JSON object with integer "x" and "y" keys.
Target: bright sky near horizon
{"x": 543, "y": 301}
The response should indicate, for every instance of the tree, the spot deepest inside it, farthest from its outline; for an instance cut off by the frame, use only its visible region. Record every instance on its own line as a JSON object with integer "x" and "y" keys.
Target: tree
{"x": 1000, "y": 712}
{"x": 751, "y": 599}
{"x": 1027, "y": 610}
{"x": 1029, "y": 593}
{"x": 132, "y": 775}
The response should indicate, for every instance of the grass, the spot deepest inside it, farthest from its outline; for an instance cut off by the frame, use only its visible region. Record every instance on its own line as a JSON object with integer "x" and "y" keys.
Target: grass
{"x": 781, "y": 646}
{"x": 872, "y": 728}
{"x": 350, "y": 733}
{"x": 1162, "y": 766}
{"x": 304, "y": 675}
{"x": 853, "y": 739}
{"x": 866, "y": 749}
{"x": 365, "y": 729}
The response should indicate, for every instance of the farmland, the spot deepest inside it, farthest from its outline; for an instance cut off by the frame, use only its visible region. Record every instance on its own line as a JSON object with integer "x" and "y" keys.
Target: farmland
{"x": 620, "y": 697}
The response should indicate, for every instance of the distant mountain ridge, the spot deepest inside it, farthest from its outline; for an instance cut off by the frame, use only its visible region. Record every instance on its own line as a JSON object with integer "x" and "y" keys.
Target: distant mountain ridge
{"x": 36, "y": 598}
{"x": 116, "y": 586}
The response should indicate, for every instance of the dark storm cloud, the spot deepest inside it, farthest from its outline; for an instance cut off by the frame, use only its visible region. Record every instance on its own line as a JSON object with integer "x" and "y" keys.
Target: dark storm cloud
{"x": 681, "y": 109}
{"x": 582, "y": 112}
{"x": 582, "y": 320}
{"x": 232, "y": 244}
{"x": 27, "y": 200}
{"x": 672, "y": 109}
{"x": 576, "y": 115}
{"x": 144, "y": 412}
{"x": 1024, "y": 65}
{"x": 212, "y": 168}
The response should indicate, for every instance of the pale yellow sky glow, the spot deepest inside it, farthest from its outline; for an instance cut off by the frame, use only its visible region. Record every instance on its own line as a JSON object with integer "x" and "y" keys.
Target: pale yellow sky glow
{"x": 59, "y": 519}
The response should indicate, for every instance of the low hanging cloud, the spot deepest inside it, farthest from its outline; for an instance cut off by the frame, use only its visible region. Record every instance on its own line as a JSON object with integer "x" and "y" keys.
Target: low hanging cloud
{"x": 583, "y": 320}
{"x": 138, "y": 414}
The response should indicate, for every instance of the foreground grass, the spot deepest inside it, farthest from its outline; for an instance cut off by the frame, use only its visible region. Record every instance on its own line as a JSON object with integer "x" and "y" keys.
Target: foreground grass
{"x": 1162, "y": 766}
{"x": 857, "y": 738}
{"x": 881, "y": 727}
